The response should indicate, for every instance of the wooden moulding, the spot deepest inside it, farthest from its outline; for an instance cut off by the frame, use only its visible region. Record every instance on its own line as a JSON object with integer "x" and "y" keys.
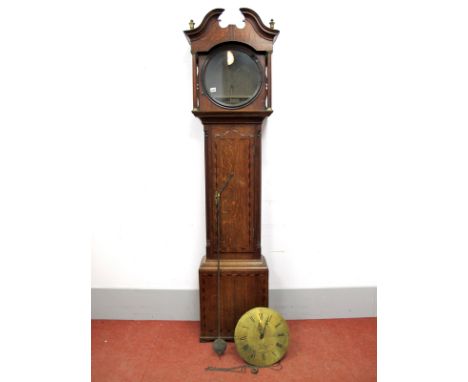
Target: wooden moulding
{"x": 232, "y": 116}
{"x": 209, "y": 33}
{"x": 233, "y": 264}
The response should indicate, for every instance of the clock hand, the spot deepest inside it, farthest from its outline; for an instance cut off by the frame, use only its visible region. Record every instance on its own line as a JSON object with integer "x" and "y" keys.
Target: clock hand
{"x": 259, "y": 328}
{"x": 262, "y": 334}
{"x": 263, "y": 331}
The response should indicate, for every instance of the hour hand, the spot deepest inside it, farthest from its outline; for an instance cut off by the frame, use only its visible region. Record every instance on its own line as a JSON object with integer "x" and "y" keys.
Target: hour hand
{"x": 260, "y": 329}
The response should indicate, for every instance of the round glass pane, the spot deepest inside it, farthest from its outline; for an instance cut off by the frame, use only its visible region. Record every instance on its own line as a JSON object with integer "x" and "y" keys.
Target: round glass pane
{"x": 232, "y": 78}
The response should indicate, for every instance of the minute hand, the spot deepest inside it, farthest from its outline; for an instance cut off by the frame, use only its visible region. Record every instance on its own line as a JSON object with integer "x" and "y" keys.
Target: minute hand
{"x": 262, "y": 334}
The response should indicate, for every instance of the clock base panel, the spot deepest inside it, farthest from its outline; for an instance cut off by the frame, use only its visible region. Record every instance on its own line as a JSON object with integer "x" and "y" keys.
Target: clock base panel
{"x": 244, "y": 285}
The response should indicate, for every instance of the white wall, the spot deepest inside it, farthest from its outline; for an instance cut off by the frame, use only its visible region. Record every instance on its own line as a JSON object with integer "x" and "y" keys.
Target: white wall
{"x": 353, "y": 156}
{"x": 364, "y": 158}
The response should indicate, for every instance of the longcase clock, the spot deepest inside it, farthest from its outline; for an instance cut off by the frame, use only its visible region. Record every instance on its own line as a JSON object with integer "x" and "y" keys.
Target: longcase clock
{"x": 232, "y": 97}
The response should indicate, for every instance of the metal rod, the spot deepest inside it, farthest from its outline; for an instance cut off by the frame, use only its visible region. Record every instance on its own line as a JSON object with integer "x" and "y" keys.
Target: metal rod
{"x": 218, "y": 244}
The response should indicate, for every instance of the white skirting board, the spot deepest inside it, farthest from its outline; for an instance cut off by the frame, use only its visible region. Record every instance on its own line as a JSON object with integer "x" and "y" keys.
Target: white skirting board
{"x": 293, "y": 304}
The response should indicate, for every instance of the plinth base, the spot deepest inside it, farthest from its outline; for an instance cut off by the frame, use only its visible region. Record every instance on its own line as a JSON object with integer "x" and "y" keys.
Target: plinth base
{"x": 244, "y": 285}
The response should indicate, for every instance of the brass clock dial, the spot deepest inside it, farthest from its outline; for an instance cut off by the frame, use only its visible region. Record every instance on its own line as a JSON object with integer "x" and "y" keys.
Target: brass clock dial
{"x": 261, "y": 336}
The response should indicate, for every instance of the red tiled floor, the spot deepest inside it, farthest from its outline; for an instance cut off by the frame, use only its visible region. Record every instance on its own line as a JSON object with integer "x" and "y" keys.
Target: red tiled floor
{"x": 147, "y": 351}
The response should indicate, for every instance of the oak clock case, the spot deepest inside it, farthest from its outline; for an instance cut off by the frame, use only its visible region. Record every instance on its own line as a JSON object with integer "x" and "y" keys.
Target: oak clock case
{"x": 231, "y": 70}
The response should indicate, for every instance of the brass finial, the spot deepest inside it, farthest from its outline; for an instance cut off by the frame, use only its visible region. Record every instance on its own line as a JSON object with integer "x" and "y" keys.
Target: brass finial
{"x": 191, "y": 24}
{"x": 272, "y": 24}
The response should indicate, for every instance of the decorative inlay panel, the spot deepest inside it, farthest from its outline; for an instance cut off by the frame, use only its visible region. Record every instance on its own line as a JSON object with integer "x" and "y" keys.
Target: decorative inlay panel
{"x": 231, "y": 284}
{"x": 233, "y": 153}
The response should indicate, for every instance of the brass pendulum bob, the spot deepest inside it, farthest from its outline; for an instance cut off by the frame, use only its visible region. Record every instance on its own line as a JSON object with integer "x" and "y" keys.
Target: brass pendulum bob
{"x": 219, "y": 345}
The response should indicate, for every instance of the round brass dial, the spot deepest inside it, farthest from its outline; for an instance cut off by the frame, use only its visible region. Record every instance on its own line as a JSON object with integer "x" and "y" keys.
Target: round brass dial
{"x": 261, "y": 336}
